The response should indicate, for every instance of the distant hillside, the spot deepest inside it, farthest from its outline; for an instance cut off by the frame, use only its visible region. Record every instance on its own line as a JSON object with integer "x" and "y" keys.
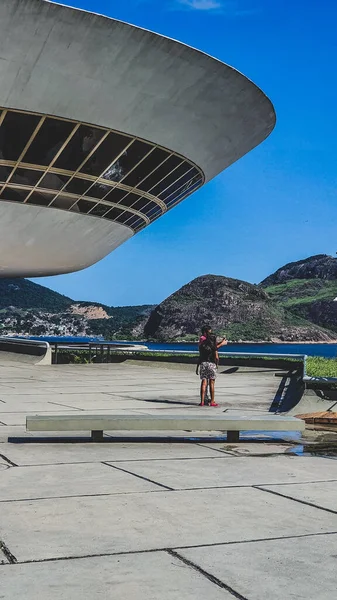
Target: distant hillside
{"x": 22, "y": 293}
{"x": 235, "y": 308}
{"x": 296, "y": 303}
{"x": 308, "y": 289}
{"x": 124, "y": 323}
{"x": 31, "y": 309}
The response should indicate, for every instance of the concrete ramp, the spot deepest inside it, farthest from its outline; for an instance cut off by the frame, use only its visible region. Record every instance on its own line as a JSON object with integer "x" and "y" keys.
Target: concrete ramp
{"x": 315, "y": 401}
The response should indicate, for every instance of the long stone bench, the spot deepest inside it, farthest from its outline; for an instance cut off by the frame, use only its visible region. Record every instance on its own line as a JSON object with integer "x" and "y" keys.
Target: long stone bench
{"x": 127, "y": 422}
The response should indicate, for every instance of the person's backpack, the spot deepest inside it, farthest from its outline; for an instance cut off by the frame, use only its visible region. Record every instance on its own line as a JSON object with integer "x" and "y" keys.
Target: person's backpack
{"x": 208, "y": 350}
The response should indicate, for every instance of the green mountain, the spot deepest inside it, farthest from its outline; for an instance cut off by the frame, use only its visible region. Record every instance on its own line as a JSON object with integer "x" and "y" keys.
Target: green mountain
{"x": 22, "y": 293}
{"x": 307, "y": 289}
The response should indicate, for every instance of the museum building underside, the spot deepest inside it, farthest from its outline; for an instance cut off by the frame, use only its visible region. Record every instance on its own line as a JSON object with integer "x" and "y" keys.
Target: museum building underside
{"x": 63, "y": 164}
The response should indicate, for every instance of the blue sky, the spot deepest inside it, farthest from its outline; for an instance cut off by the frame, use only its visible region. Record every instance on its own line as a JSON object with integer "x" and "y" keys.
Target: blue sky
{"x": 275, "y": 205}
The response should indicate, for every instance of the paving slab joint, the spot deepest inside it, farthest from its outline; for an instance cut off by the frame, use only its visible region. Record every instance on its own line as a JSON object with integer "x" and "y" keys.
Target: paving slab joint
{"x": 161, "y": 485}
{"x": 262, "y": 489}
{"x": 208, "y": 576}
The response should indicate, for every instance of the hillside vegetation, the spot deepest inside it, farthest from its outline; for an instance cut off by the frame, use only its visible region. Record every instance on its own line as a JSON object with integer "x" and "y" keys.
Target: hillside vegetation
{"x": 302, "y": 291}
{"x": 307, "y": 289}
{"x": 296, "y": 303}
{"x": 22, "y": 293}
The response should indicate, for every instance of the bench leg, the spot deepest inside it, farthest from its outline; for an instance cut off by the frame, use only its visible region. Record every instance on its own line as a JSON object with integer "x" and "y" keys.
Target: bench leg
{"x": 233, "y": 436}
{"x": 97, "y": 436}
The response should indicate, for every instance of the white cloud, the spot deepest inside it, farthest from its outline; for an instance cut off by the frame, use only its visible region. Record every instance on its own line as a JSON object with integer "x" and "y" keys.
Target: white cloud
{"x": 227, "y": 7}
{"x": 202, "y": 4}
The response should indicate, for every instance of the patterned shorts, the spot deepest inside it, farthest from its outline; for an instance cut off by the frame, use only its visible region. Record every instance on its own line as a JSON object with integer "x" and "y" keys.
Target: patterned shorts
{"x": 207, "y": 370}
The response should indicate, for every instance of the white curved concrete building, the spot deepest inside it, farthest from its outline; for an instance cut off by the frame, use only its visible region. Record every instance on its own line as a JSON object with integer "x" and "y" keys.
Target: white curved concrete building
{"x": 103, "y": 128}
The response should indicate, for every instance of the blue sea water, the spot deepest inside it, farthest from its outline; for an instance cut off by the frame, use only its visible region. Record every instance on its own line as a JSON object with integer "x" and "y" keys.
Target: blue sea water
{"x": 326, "y": 350}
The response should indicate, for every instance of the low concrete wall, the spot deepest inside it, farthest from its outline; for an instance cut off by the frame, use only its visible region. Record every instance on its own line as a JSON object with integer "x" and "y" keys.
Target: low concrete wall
{"x": 272, "y": 363}
{"x": 40, "y": 352}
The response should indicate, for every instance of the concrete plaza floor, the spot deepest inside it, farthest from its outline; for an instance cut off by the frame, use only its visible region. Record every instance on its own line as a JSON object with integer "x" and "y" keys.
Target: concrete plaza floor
{"x": 158, "y": 520}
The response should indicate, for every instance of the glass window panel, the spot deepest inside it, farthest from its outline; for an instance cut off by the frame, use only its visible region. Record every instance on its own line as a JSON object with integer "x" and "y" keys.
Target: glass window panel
{"x": 105, "y": 154}
{"x": 124, "y": 217}
{"x": 168, "y": 180}
{"x": 186, "y": 183}
{"x": 40, "y": 198}
{"x": 65, "y": 203}
{"x": 146, "y": 166}
{"x": 15, "y": 195}
{"x": 115, "y": 195}
{"x": 171, "y": 179}
{"x": 159, "y": 174}
{"x": 144, "y": 205}
{"x": 136, "y": 223}
{"x": 178, "y": 181}
{"x": 129, "y": 200}
{"x": 26, "y": 177}
{"x": 48, "y": 141}
{"x": 77, "y": 186}
{"x": 53, "y": 181}
{"x": 132, "y": 219}
{"x": 79, "y": 146}
{"x": 98, "y": 190}
{"x": 152, "y": 214}
{"x": 99, "y": 210}
{"x": 4, "y": 173}
{"x": 113, "y": 213}
{"x": 181, "y": 194}
{"x": 85, "y": 206}
{"x": 185, "y": 188}
{"x": 129, "y": 159}
{"x": 15, "y": 132}
{"x": 150, "y": 208}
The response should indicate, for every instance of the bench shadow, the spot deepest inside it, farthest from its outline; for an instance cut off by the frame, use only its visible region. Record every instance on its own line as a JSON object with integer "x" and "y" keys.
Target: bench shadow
{"x": 288, "y": 394}
{"x": 109, "y": 439}
{"x": 169, "y": 402}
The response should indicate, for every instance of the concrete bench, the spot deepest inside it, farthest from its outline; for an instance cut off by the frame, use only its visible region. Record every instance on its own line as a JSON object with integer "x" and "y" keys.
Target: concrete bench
{"x": 126, "y": 422}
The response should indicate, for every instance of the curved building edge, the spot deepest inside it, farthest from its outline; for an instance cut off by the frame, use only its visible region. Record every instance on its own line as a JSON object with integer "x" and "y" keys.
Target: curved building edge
{"x": 65, "y": 64}
{"x": 75, "y": 64}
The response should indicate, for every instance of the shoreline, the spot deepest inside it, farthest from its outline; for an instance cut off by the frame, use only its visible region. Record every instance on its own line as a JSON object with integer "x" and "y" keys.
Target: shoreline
{"x": 260, "y": 343}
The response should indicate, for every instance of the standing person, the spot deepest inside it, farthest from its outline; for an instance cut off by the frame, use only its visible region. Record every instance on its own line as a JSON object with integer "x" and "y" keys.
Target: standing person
{"x": 207, "y": 330}
{"x": 204, "y": 331}
{"x": 208, "y": 361}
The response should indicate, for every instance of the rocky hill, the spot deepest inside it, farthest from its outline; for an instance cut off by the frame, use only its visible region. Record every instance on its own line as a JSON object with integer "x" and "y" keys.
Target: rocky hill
{"x": 320, "y": 266}
{"x": 240, "y": 310}
{"x": 308, "y": 289}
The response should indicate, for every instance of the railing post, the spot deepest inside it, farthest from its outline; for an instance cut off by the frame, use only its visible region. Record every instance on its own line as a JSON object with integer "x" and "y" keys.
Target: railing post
{"x": 55, "y": 354}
